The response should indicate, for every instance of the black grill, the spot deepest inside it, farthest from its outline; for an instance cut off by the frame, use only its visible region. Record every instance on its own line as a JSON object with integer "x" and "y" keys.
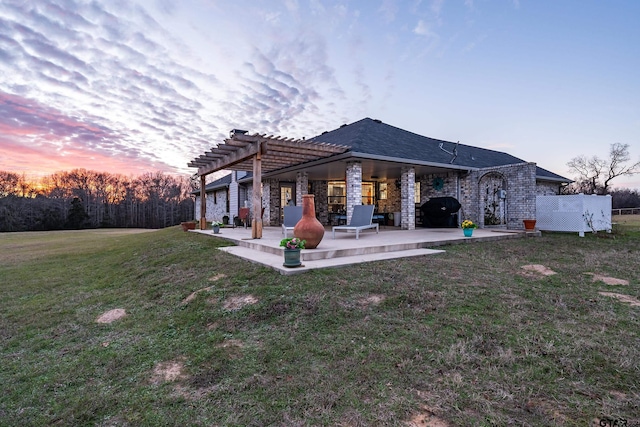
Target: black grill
{"x": 440, "y": 212}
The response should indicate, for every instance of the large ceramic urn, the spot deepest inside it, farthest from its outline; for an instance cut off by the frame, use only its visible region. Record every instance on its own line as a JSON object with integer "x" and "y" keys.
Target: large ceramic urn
{"x": 309, "y": 228}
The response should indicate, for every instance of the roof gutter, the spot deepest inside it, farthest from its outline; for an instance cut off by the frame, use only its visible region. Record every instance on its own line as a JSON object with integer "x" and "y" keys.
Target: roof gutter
{"x": 551, "y": 179}
{"x": 351, "y": 155}
{"x": 412, "y": 161}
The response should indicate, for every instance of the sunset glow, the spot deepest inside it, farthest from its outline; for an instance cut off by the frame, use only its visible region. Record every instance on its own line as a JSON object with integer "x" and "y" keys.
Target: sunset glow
{"x": 138, "y": 86}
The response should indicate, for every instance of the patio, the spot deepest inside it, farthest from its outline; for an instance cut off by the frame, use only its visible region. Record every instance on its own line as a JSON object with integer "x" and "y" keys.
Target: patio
{"x": 390, "y": 243}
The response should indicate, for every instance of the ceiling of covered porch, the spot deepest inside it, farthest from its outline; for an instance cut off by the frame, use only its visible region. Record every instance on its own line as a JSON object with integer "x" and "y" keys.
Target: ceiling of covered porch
{"x": 373, "y": 169}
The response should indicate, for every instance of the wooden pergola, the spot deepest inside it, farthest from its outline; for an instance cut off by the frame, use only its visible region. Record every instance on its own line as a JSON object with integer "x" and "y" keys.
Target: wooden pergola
{"x": 257, "y": 153}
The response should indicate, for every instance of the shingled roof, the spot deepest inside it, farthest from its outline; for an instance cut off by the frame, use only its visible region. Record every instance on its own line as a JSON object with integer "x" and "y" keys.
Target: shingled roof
{"x": 372, "y": 137}
{"x": 224, "y": 182}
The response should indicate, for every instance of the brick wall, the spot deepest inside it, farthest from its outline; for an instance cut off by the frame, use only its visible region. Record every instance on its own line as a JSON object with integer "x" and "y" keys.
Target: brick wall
{"x": 546, "y": 188}
{"x": 216, "y": 205}
{"x": 302, "y": 185}
{"x": 321, "y": 193}
{"x": 272, "y": 203}
{"x": 520, "y": 190}
{"x": 449, "y": 188}
{"x": 392, "y": 202}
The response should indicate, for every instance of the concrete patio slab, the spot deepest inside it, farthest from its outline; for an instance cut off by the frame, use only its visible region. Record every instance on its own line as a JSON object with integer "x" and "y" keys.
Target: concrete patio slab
{"x": 390, "y": 243}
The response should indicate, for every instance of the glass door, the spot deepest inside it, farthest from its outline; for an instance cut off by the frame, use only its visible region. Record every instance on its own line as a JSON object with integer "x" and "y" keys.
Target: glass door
{"x": 287, "y": 196}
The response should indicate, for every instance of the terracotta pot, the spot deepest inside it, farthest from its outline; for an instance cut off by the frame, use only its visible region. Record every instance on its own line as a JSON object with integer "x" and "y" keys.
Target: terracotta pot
{"x": 309, "y": 228}
{"x": 188, "y": 226}
{"x": 529, "y": 224}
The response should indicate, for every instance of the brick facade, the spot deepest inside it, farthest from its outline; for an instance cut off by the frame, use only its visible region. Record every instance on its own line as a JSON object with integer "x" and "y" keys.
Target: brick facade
{"x": 478, "y": 191}
{"x": 321, "y": 193}
{"x": 392, "y": 202}
{"x": 546, "y": 188}
{"x": 519, "y": 183}
{"x": 302, "y": 186}
{"x": 272, "y": 203}
{"x": 216, "y": 205}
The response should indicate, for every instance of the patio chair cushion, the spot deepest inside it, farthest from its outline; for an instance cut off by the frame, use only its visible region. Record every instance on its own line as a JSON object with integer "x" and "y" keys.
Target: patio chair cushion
{"x": 292, "y": 214}
{"x": 361, "y": 219}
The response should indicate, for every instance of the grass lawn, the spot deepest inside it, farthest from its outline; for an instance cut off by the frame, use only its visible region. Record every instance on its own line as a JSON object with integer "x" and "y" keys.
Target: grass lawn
{"x": 467, "y": 337}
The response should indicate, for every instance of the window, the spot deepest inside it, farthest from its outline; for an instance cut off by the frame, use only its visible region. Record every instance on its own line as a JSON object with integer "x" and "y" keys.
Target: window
{"x": 337, "y": 195}
{"x": 367, "y": 193}
{"x": 416, "y": 196}
{"x": 382, "y": 191}
{"x": 286, "y": 193}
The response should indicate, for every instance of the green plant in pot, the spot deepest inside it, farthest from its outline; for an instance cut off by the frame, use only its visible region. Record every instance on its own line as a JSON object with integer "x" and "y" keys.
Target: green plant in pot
{"x": 215, "y": 225}
{"x": 292, "y": 247}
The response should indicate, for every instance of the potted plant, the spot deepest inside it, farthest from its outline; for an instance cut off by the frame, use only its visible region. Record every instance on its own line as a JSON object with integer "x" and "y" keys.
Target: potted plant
{"x": 529, "y": 224}
{"x": 467, "y": 227}
{"x": 292, "y": 246}
{"x": 216, "y": 226}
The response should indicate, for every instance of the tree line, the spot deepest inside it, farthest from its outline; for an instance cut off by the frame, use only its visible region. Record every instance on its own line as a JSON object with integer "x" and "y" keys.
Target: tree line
{"x": 87, "y": 199}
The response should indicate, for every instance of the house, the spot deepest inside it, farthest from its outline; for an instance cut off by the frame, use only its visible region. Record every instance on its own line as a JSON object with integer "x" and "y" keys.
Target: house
{"x": 370, "y": 162}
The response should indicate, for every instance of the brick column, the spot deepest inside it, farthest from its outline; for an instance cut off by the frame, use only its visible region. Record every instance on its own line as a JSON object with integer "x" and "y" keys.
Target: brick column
{"x": 354, "y": 187}
{"x": 302, "y": 185}
{"x": 408, "y": 193}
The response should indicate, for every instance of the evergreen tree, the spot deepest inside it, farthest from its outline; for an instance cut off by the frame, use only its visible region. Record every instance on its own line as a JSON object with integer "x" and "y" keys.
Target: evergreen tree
{"x": 77, "y": 215}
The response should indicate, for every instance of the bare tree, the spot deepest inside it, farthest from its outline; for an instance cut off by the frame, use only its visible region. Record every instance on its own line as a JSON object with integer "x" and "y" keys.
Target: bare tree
{"x": 595, "y": 174}
{"x": 9, "y": 183}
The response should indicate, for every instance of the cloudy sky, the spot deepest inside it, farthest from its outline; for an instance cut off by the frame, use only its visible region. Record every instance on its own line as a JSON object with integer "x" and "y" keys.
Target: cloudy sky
{"x": 141, "y": 85}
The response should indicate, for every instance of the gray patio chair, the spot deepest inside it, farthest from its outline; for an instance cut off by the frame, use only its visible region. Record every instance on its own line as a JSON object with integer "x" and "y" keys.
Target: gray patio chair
{"x": 361, "y": 219}
{"x": 292, "y": 214}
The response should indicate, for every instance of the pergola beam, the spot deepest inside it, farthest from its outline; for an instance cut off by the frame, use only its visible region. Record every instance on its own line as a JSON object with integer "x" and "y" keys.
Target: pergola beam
{"x": 236, "y": 156}
{"x": 258, "y": 153}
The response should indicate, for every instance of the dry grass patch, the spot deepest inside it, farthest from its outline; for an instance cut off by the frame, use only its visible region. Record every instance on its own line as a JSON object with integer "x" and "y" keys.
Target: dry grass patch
{"x": 168, "y": 371}
{"x": 634, "y": 302}
{"x": 194, "y": 294}
{"x": 375, "y": 299}
{"x": 547, "y": 409}
{"x": 231, "y": 343}
{"x": 608, "y": 280}
{"x": 237, "y": 302}
{"x": 537, "y": 270}
{"x": 217, "y": 277}
{"x": 426, "y": 418}
{"x": 111, "y": 315}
